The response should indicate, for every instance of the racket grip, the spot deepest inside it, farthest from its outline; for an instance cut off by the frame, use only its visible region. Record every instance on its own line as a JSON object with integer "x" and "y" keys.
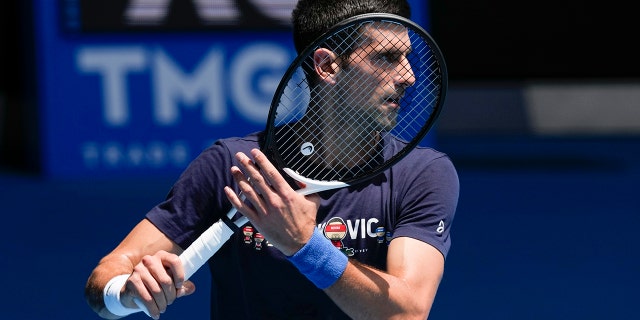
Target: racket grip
{"x": 203, "y": 248}
{"x": 199, "y": 252}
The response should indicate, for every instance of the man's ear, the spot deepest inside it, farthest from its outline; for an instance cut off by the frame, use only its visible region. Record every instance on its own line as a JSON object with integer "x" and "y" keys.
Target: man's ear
{"x": 326, "y": 65}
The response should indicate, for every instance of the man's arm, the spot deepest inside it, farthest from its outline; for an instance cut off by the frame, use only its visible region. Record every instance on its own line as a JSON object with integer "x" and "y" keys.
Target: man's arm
{"x": 405, "y": 291}
{"x": 151, "y": 259}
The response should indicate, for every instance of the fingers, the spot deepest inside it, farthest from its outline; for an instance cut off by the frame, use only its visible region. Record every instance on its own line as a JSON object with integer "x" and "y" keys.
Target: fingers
{"x": 275, "y": 180}
{"x": 157, "y": 281}
{"x": 249, "y": 193}
{"x": 141, "y": 286}
{"x": 260, "y": 183}
{"x": 264, "y": 176}
{"x": 251, "y": 171}
{"x": 252, "y": 185}
{"x": 187, "y": 288}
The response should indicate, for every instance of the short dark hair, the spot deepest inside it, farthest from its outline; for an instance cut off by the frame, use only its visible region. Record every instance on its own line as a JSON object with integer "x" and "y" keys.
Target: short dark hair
{"x": 312, "y": 18}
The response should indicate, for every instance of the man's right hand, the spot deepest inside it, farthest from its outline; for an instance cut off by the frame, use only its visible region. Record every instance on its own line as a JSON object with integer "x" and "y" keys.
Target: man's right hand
{"x": 156, "y": 282}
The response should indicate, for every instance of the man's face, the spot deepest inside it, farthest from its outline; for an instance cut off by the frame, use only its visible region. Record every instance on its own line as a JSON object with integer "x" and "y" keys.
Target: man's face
{"x": 377, "y": 73}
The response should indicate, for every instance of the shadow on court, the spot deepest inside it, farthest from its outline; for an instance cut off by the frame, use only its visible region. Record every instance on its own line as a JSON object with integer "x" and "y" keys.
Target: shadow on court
{"x": 545, "y": 229}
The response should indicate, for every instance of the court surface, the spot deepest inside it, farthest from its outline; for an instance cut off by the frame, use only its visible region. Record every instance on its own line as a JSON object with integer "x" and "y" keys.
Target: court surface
{"x": 545, "y": 229}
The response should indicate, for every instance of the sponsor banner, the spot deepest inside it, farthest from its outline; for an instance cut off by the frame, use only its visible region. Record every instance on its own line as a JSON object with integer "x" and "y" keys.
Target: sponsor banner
{"x": 119, "y": 101}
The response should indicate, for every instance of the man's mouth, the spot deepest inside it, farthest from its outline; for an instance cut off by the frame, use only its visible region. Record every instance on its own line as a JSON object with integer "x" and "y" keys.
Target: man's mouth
{"x": 393, "y": 101}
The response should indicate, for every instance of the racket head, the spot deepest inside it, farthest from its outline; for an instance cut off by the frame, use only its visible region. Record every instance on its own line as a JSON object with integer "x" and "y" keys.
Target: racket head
{"x": 357, "y": 100}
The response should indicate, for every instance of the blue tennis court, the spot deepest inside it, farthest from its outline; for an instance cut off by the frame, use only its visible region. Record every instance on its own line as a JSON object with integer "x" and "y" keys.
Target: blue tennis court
{"x": 545, "y": 229}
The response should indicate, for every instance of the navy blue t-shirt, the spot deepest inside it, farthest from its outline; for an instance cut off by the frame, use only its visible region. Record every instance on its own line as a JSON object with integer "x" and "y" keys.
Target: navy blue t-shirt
{"x": 251, "y": 279}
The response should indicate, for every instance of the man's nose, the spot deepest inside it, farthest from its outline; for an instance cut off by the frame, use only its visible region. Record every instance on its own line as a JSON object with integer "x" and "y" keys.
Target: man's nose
{"x": 405, "y": 76}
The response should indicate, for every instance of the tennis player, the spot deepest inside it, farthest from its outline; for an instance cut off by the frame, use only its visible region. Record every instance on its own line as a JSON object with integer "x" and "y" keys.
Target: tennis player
{"x": 372, "y": 251}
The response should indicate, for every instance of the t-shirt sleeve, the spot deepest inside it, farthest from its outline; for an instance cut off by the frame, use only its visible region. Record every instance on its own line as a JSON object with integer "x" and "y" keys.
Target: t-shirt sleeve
{"x": 197, "y": 199}
{"x": 427, "y": 202}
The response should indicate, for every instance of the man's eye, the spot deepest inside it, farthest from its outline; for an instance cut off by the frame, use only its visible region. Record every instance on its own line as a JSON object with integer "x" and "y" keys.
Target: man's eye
{"x": 387, "y": 57}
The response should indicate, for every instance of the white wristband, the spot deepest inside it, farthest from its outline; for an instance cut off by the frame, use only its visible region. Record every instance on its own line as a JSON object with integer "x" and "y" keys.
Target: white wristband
{"x": 111, "y": 296}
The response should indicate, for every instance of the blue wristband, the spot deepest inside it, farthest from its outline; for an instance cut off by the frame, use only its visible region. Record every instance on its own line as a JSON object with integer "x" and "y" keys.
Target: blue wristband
{"x": 320, "y": 261}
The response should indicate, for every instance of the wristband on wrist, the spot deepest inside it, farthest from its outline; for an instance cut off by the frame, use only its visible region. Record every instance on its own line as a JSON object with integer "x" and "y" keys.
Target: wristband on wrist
{"x": 320, "y": 261}
{"x": 111, "y": 296}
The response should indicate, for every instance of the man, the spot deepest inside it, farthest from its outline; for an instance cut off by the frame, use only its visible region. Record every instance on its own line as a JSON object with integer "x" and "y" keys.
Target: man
{"x": 281, "y": 265}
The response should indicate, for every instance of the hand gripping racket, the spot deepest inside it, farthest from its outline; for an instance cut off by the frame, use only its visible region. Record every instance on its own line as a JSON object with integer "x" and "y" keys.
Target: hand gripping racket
{"x": 351, "y": 105}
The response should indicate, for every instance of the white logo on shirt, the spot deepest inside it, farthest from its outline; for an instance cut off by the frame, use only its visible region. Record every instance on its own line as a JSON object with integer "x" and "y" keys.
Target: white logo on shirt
{"x": 440, "y": 228}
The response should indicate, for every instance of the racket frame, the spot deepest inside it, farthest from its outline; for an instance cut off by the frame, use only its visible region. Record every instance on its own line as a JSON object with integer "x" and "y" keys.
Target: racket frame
{"x": 269, "y": 147}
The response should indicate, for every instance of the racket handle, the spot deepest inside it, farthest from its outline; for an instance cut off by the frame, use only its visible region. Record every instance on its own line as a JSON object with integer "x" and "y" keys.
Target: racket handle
{"x": 203, "y": 248}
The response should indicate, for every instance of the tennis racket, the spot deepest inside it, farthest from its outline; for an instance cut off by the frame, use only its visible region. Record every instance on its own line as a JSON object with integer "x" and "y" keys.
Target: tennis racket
{"x": 351, "y": 105}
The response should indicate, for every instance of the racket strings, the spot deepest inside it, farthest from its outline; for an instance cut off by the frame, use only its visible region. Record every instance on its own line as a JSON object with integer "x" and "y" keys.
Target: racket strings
{"x": 349, "y": 123}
